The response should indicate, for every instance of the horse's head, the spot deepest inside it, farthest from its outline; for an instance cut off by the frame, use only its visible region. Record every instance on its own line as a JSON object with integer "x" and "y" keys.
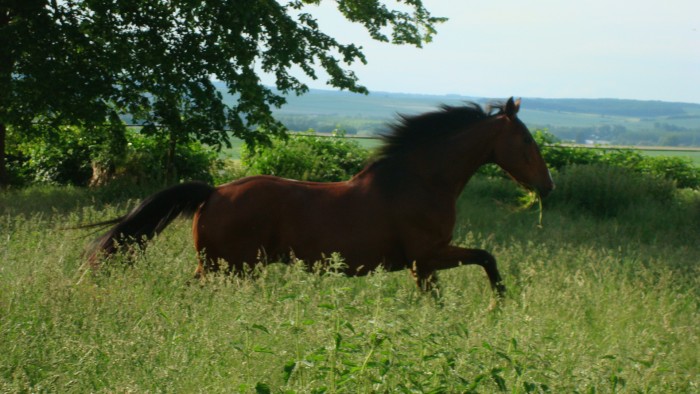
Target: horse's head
{"x": 517, "y": 153}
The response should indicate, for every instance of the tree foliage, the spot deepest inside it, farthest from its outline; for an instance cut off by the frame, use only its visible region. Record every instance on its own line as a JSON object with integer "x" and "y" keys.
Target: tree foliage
{"x": 88, "y": 62}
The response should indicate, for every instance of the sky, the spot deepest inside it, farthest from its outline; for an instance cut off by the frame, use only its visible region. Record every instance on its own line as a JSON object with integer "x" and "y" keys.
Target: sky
{"x": 644, "y": 50}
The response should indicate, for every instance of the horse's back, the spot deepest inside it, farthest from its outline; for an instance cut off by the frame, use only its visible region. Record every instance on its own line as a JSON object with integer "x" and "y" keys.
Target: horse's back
{"x": 266, "y": 216}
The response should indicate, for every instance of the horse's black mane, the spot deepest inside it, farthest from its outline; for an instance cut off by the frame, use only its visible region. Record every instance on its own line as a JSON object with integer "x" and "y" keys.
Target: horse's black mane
{"x": 410, "y": 132}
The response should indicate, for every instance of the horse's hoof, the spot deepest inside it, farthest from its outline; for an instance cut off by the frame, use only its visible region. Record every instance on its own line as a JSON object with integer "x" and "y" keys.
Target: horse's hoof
{"x": 495, "y": 304}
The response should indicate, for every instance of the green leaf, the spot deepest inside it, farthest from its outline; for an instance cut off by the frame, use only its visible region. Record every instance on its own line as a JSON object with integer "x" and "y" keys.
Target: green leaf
{"x": 261, "y": 328}
{"x": 262, "y": 388}
{"x": 288, "y": 370}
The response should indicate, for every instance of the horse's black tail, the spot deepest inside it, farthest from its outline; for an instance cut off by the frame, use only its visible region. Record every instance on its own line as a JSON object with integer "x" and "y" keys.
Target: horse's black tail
{"x": 149, "y": 218}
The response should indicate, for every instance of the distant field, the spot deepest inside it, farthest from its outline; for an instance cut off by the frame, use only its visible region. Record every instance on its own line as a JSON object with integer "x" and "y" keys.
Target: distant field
{"x": 234, "y": 152}
{"x": 692, "y": 155}
{"x": 370, "y": 143}
{"x": 619, "y": 121}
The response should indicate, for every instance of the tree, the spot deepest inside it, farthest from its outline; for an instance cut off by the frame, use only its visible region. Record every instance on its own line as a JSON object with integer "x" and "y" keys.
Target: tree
{"x": 51, "y": 72}
{"x": 88, "y": 61}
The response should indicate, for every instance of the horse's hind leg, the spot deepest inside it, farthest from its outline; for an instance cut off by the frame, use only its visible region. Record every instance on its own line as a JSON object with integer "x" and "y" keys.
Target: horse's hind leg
{"x": 199, "y": 272}
{"x": 426, "y": 280}
{"x": 206, "y": 264}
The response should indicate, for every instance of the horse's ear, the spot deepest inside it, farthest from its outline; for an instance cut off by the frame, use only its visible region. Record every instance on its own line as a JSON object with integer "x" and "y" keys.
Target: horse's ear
{"x": 512, "y": 108}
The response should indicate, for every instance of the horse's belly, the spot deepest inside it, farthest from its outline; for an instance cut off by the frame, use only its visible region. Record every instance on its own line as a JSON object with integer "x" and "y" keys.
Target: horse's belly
{"x": 276, "y": 219}
{"x": 360, "y": 236}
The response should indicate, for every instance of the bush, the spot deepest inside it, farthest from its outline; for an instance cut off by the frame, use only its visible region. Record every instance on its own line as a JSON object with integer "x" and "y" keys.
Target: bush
{"x": 69, "y": 156}
{"x": 147, "y": 157}
{"x": 226, "y": 170}
{"x": 606, "y": 190}
{"x": 308, "y": 157}
{"x": 678, "y": 169}
{"x": 58, "y": 157}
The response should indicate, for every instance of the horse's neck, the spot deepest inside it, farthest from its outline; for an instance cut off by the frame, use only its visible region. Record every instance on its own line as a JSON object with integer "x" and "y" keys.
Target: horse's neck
{"x": 450, "y": 164}
{"x": 444, "y": 167}
{"x": 441, "y": 172}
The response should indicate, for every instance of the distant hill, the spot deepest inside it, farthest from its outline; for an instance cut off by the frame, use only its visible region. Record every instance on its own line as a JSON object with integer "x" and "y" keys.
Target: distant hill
{"x": 629, "y": 122}
{"x": 326, "y": 102}
{"x": 611, "y": 107}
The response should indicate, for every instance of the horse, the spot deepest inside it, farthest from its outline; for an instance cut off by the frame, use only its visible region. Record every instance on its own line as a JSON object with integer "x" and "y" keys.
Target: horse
{"x": 398, "y": 212}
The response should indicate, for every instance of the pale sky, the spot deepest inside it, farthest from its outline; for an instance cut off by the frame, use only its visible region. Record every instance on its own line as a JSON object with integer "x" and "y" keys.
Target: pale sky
{"x": 645, "y": 50}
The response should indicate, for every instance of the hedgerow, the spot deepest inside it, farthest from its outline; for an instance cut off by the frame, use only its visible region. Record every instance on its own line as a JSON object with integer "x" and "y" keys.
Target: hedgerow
{"x": 307, "y": 157}
{"x": 72, "y": 156}
{"x": 677, "y": 169}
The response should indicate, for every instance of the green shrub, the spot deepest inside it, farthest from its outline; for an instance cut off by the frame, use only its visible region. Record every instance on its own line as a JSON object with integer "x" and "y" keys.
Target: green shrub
{"x": 57, "y": 156}
{"x": 605, "y": 190}
{"x": 226, "y": 170}
{"x": 147, "y": 157}
{"x": 308, "y": 157}
{"x": 67, "y": 155}
{"x": 678, "y": 169}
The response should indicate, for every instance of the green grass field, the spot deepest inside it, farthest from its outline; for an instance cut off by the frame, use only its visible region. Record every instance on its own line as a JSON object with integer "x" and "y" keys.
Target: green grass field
{"x": 693, "y": 155}
{"x": 593, "y": 306}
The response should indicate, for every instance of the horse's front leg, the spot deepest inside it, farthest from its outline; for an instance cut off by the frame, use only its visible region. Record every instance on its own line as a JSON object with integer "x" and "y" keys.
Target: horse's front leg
{"x": 453, "y": 256}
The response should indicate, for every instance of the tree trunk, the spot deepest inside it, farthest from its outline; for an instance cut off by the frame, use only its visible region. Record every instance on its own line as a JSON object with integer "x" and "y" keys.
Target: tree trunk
{"x": 4, "y": 178}
{"x": 170, "y": 159}
{"x": 5, "y": 74}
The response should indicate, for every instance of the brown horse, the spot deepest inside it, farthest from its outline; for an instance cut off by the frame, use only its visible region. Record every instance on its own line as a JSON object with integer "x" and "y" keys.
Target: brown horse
{"x": 398, "y": 212}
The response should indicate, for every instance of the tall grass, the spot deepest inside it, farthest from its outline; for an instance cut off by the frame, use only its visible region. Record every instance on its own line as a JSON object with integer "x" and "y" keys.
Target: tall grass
{"x": 594, "y": 305}
{"x": 608, "y": 190}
